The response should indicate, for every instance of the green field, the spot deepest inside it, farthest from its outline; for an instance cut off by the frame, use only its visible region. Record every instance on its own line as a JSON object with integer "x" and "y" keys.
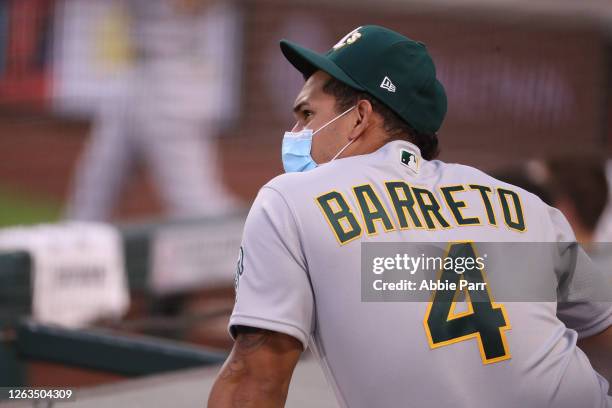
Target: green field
{"x": 25, "y": 209}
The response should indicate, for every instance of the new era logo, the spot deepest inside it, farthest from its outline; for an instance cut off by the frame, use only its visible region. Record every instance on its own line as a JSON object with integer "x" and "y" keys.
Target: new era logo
{"x": 387, "y": 84}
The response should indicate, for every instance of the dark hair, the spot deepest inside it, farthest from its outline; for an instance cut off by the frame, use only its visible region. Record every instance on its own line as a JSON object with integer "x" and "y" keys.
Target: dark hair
{"x": 395, "y": 126}
{"x": 520, "y": 177}
{"x": 581, "y": 178}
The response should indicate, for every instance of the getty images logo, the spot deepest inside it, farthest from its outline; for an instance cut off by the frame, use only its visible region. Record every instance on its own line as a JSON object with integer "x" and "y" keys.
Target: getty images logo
{"x": 387, "y": 84}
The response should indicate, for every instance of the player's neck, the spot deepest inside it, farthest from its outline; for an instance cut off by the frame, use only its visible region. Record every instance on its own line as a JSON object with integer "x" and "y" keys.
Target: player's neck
{"x": 583, "y": 235}
{"x": 366, "y": 144}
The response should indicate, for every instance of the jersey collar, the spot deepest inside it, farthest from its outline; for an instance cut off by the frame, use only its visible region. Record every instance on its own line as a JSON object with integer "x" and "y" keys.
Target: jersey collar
{"x": 402, "y": 152}
{"x": 395, "y": 146}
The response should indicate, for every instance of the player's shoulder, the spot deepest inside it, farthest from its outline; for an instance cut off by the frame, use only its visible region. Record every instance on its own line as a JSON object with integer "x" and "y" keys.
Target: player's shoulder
{"x": 285, "y": 184}
{"x": 549, "y": 218}
{"x": 301, "y": 183}
{"x": 279, "y": 191}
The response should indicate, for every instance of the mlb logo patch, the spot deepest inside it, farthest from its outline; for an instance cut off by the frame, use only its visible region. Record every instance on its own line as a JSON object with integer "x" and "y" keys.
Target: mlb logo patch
{"x": 410, "y": 160}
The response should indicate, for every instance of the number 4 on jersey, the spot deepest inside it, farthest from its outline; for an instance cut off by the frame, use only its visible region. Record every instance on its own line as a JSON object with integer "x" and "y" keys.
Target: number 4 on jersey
{"x": 484, "y": 320}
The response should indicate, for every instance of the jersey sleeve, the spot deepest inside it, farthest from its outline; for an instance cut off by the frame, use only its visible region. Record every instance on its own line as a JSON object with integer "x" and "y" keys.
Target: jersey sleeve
{"x": 273, "y": 290}
{"x": 584, "y": 295}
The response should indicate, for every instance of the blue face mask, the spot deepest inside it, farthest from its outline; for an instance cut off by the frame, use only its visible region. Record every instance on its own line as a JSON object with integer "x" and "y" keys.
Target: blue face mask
{"x": 297, "y": 146}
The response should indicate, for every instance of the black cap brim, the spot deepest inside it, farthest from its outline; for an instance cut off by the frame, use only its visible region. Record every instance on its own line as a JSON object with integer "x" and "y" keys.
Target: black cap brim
{"x": 308, "y": 62}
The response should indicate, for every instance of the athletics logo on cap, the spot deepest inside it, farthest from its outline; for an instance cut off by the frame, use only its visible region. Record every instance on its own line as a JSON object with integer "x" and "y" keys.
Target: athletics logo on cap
{"x": 387, "y": 84}
{"x": 348, "y": 39}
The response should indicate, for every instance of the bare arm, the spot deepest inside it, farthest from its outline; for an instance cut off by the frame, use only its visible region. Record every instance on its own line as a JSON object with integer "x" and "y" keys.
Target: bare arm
{"x": 258, "y": 371}
{"x": 599, "y": 350}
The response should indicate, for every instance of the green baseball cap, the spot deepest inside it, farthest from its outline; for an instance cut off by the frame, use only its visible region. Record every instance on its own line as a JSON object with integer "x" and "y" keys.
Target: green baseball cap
{"x": 394, "y": 69}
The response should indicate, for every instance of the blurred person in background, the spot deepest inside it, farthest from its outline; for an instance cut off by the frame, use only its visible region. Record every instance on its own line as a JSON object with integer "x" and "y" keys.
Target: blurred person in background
{"x": 165, "y": 115}
{"x": 603, "y": 233}
{"x": 527, "y": 177}
{"x": 579, "y": 188}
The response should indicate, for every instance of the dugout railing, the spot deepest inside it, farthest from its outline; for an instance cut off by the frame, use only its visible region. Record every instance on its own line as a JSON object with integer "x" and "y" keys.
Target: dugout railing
{"x": 114, "y": 351}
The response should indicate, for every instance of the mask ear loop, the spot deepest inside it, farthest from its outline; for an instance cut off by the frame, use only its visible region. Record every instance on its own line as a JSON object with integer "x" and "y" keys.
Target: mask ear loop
{"x": 341, "y": 150}
{"x": 333, "y": 120}
{"x": 349, "y": 143}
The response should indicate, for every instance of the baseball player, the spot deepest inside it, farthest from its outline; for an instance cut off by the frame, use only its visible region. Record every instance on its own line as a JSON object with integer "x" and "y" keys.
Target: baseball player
{"x": 166, "y": 115}
{"x": 360, "y": 168}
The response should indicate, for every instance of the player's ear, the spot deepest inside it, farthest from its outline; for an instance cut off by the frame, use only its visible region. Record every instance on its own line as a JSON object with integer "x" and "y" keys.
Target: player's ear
{"x": 363, "y": 118}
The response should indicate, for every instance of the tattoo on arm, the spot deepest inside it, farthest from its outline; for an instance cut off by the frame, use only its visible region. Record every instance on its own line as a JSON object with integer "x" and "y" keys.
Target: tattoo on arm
{"x": 251, "y": 338}
{"x": 258, "y": 370}
{"x": 248, "y": 341}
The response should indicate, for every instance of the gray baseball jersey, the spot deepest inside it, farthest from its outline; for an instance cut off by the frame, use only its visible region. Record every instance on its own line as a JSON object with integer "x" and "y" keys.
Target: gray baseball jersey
{"x": 299, "y": 274}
